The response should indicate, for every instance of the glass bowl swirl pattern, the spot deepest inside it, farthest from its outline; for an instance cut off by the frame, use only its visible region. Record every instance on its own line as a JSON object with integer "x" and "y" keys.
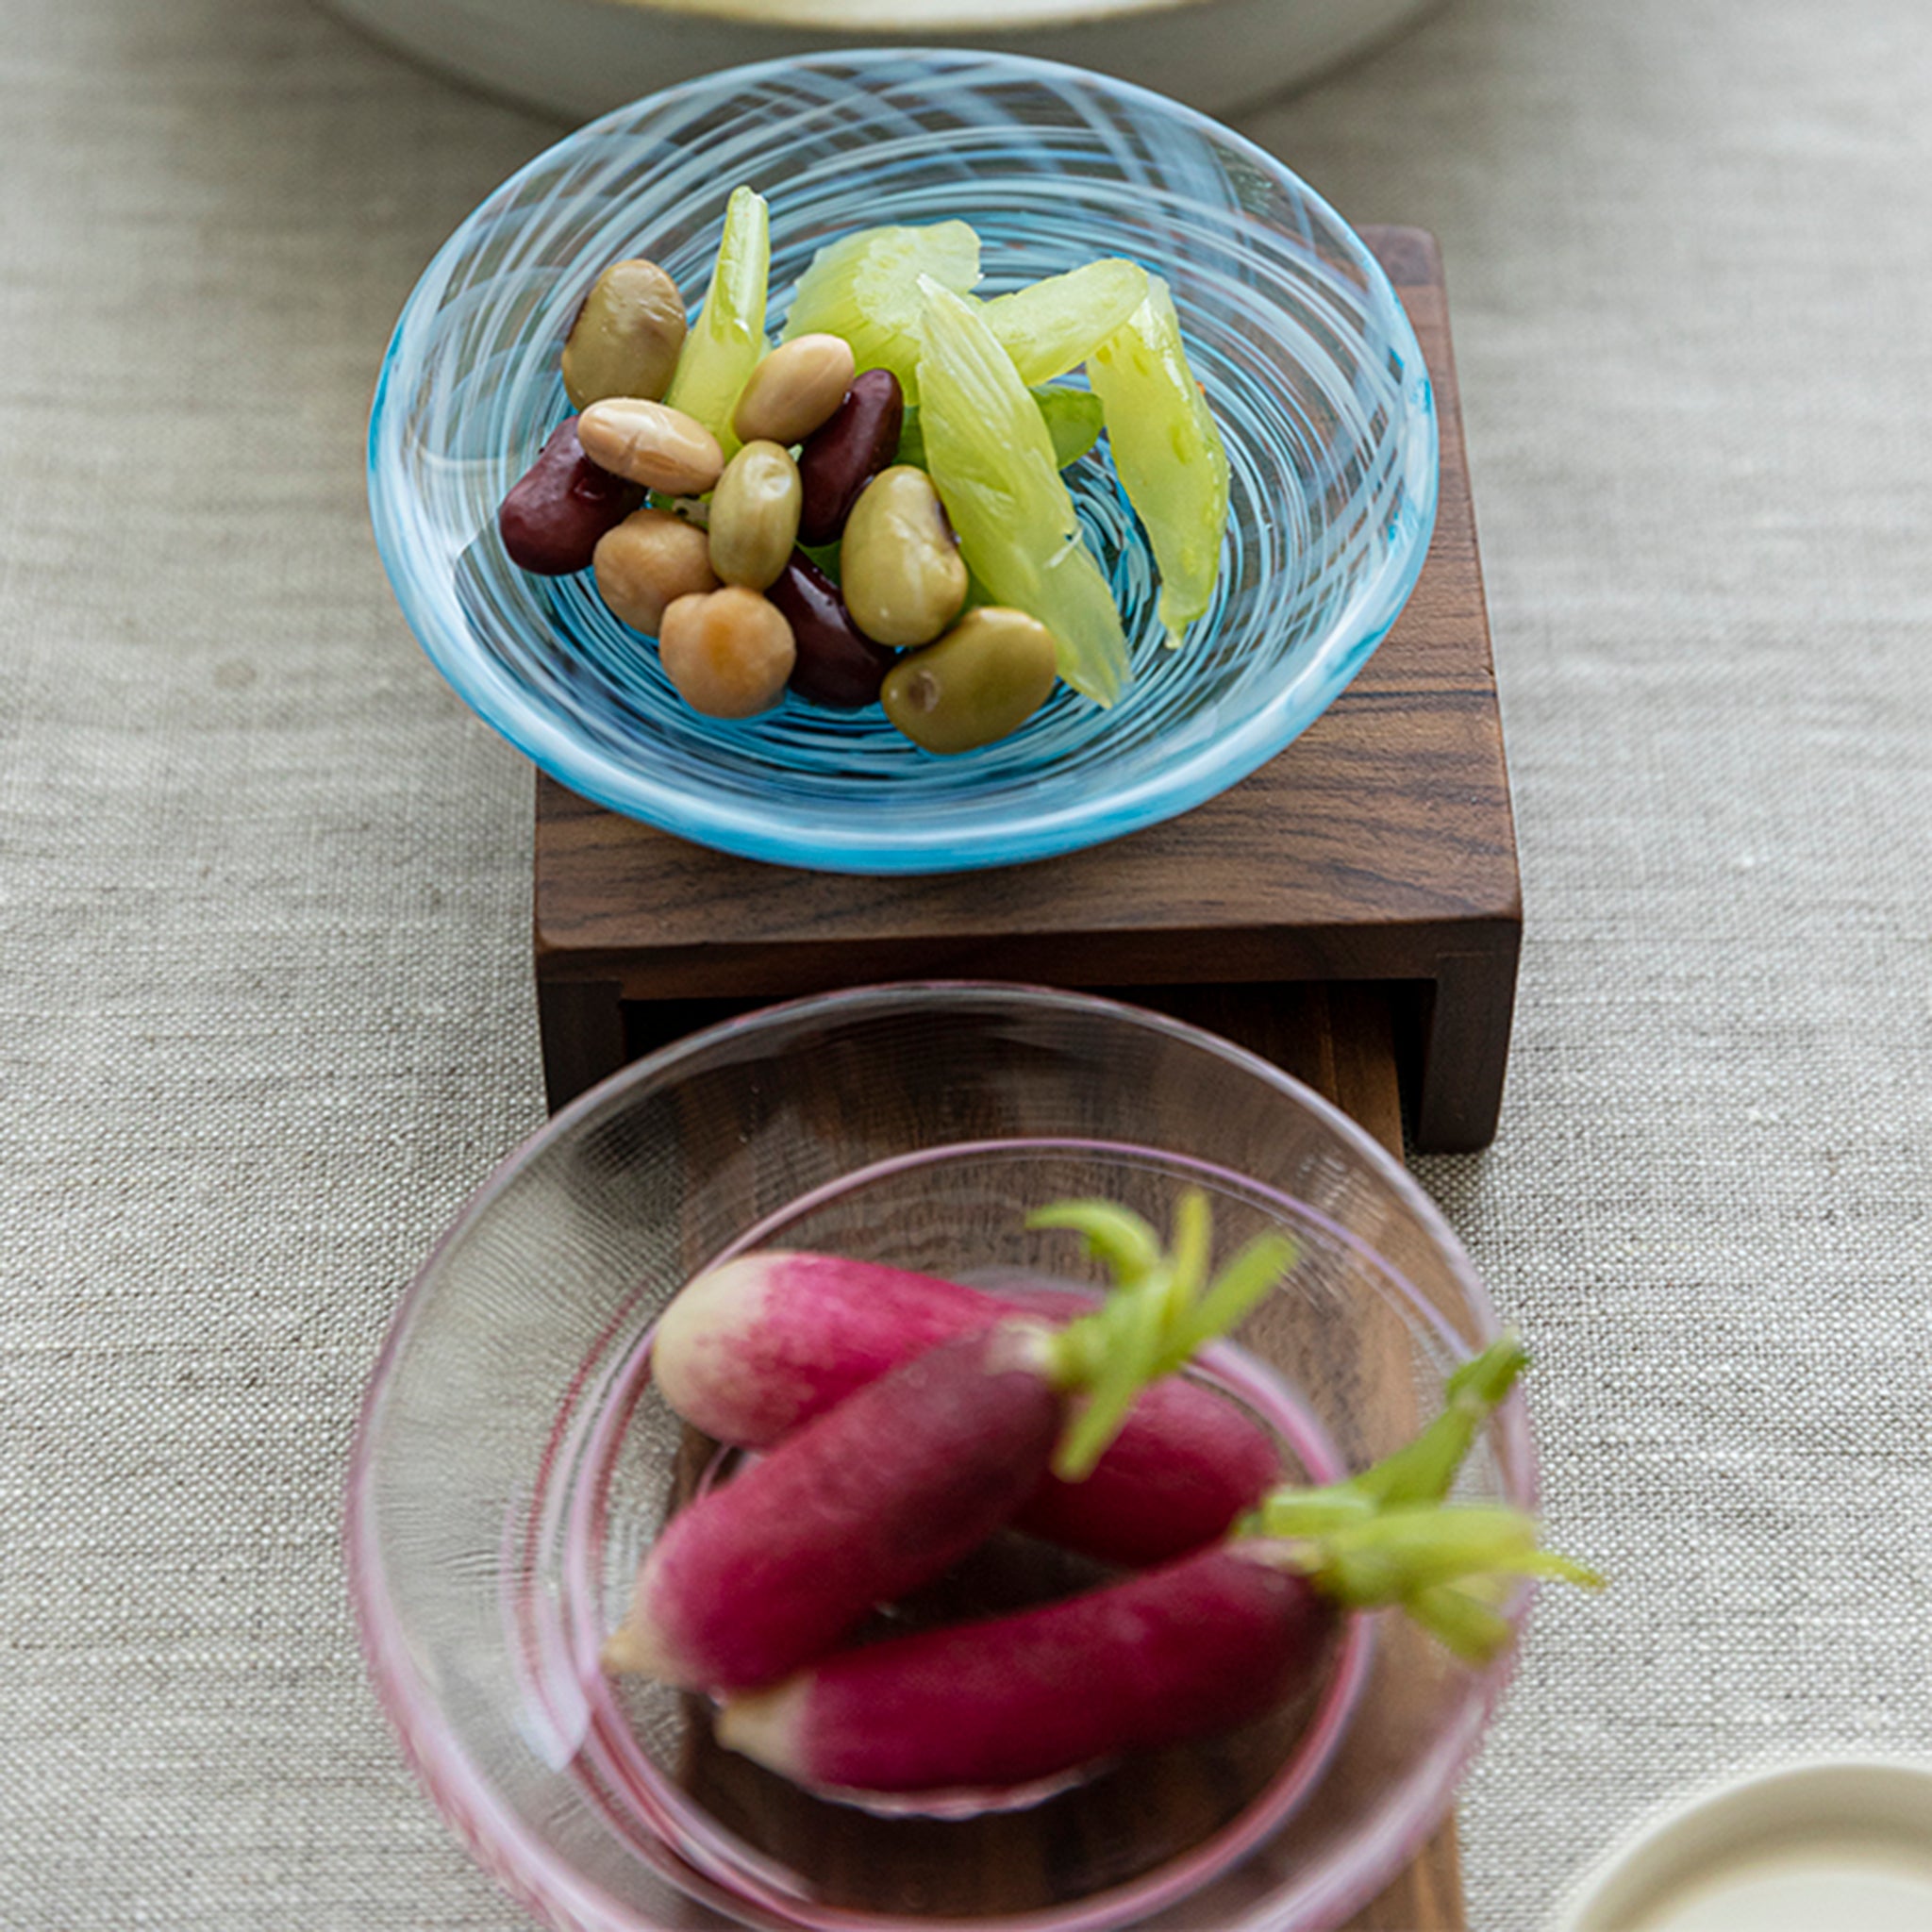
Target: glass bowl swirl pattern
{"x": 1303, "y": 348}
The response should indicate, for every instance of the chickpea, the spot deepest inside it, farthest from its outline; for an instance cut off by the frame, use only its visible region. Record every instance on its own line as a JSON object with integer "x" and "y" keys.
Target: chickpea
{"x": 727, "y": 652}
{"x": 649, "y": 561}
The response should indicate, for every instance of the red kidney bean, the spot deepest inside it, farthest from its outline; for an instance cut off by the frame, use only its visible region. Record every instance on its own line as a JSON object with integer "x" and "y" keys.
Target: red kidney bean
{"x": 838, "y": 460}
{"x": 836, "y": 664}
{"x": 559, "y": 507}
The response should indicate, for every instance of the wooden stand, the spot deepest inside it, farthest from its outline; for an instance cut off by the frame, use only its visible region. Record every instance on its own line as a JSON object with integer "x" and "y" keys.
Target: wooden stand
{"x": 1378, "y": 848}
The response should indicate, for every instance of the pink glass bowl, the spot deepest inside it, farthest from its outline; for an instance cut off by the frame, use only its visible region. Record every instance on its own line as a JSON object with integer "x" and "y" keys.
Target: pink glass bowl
{"x": 512, "y": 1461}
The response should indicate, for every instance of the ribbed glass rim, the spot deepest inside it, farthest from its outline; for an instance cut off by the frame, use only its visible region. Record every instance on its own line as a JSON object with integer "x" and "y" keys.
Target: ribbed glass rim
{"x": 848, "y": 842}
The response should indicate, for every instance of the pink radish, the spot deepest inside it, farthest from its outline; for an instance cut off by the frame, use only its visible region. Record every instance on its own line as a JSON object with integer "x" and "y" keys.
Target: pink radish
{"x": 753, "y": 1349}
{"x": 875, "y": 1497}
{"x": 1193, "y": 1648}
{"x": 1197, "y": 1647}
{"x": 894, "y": 1486}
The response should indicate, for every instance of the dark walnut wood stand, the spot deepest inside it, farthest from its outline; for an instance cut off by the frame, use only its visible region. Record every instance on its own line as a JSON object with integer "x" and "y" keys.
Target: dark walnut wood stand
{"x": 1378, "y": 849}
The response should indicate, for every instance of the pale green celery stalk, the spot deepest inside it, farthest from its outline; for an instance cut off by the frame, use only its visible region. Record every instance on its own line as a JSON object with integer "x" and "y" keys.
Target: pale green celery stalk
{"x": 992, "y": 459}
{"x": 1053, "y": 325}
{"x": 865, "y": 288}
{"x": 1167, "y": 453}
{"x": 727, "y": 342}
{"x": 1071, "y": 416}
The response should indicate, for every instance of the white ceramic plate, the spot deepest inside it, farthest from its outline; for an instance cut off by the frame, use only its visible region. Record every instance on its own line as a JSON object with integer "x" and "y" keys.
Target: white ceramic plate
{"x": 578, "y": 57}
{"x": 1829, "y": 1847}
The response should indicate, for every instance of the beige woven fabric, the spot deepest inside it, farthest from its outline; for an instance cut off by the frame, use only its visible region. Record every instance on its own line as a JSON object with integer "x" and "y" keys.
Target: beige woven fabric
{"x": 264, "y": 905}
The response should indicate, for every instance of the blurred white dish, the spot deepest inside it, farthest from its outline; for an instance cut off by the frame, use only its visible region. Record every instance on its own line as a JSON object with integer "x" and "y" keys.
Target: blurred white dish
{"x": 1805, "y": 1849}
{"x": 578, "y": 57}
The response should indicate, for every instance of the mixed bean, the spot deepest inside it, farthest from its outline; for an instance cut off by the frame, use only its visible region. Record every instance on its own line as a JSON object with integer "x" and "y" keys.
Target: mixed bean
{"x": 797, "y": 538}
{"x": 795, "y": 391}
{"x": 754, "y": 516}
{"x": 554, "y": 518}
{"x": 628, "y": 336}
{"x": 838, "y": 666}
{"x": 647, "y": 563}
{"x": 848, "y": 450}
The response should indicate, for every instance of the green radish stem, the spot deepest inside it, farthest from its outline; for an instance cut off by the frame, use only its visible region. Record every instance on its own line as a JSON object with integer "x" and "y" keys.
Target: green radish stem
{"x": 1463, "y": 1618}
{"x": 1387, "y": 1537}
{"x": 1162, "y": 1308}
{"x": 1401, "y": 1553}
{"x": 1447, "y": 1565}
{"x": 1421, "y": 1470}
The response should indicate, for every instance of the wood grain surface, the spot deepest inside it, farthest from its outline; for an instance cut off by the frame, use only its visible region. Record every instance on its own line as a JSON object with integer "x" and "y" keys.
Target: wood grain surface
{"x": 1380, "y": 847}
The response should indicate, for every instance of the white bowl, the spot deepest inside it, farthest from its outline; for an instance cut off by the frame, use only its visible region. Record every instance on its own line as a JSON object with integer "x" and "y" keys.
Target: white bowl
{"x": 578, "y": 57}
{"x": 1805, "y": 1848}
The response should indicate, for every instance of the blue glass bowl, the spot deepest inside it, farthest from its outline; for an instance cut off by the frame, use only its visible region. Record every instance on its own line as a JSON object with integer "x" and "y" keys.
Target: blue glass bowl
{"x": 1307, "y": 357}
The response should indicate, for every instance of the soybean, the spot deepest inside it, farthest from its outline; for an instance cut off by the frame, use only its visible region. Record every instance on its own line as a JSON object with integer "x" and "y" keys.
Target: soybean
{"x": 649, "y": 561}
{"x": 626, "y": 335}
{"x": 899, "y": 563}
{"x": 982, "y": 680}
{"x": 839, "y": 460}
{"x": 727, "y": 653}
{"x": 755, "y": 515}
{"x": 561, "y": 505}
{"x": 795, "y": 390}
{"x": 837, "y": 666}
{"x": 652, "y": 443}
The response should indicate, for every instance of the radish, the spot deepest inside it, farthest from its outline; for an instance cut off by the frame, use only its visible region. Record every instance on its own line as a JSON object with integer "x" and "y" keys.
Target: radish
{"x": 894, "y": 1486}
{"x": 1166, "y": 1654}
{"x": 749, "y": 1350}
{"x": 1195, "y": 1648}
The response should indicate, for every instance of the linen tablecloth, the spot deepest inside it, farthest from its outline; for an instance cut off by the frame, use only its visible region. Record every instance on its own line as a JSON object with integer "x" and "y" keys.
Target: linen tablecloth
{"x": 264, "y": 905}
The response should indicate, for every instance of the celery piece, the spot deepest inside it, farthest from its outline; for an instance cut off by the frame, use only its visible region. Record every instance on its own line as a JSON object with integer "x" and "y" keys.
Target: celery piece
{"x": 866, "y": 289}
{"x": 727, "y": 341}
{"x": 1072, "y": 419}
{"x": 1166, "y": 451}
{"x": 991, "y": 457}
{"x": 1052, "y": 326}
